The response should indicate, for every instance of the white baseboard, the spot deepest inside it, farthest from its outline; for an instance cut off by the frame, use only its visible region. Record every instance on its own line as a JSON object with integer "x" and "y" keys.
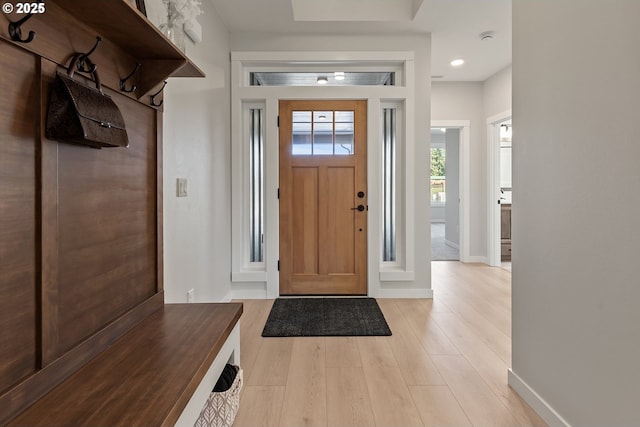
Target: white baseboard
{"x": 476, "y": 259}
{"x": 536, "y": 402}
{"x": 451, "y": 244}
{"x": 405, "y": 293}
{"x": 239, "y": 294}
{"x": 249, "y": 294}
{"x": 397, "y": 276}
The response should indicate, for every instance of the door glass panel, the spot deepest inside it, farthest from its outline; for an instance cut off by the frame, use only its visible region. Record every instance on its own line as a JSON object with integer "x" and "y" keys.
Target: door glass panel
{"x": 344, "y": 132}
{"x": 322, "y": 133}
{"x": 301, "y": 129}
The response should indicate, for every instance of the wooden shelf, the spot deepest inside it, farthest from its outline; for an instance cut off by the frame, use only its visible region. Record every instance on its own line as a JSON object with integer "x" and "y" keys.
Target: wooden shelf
{"x": 121, "y": 23}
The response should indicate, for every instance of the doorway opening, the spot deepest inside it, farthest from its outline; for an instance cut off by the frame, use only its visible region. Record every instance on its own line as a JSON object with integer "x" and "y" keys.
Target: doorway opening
{"x": 444, "y": 190}
{"x": 500, "y": 190}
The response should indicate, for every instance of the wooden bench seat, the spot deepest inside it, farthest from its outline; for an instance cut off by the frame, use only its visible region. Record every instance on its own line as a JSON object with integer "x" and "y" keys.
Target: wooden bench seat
{"x": 148, "y": 376}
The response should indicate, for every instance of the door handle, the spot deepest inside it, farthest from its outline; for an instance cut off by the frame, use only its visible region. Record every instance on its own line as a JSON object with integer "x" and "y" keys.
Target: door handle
{"x": 360, "y": 208}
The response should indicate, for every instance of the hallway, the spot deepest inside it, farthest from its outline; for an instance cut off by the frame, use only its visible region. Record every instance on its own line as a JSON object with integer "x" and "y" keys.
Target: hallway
{"x": 445, "y": 364}
{"x": 440, "y": 250}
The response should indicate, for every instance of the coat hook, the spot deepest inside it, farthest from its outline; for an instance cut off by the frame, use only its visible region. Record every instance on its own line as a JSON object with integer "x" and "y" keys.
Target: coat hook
{"x": 82, "y": 67}
{"x": 16, "y": 32}
{"x": 153, "y": 97}
{"x": 123, "y": 82}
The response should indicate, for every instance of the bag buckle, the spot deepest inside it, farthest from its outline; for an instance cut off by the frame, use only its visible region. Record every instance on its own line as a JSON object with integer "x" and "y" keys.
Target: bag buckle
{"x": 105, "y": 125}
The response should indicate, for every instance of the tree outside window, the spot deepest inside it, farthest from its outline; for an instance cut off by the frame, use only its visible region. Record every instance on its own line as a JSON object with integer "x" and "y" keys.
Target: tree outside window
{"x": 438, "y": 176}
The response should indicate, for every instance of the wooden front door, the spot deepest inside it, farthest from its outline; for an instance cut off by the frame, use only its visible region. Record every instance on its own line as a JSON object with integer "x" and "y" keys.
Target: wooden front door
{"x": 323, "y": 197}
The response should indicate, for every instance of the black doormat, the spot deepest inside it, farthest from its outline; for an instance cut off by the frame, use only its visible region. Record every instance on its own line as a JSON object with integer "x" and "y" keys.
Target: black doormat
{"x": 317, "y": 317}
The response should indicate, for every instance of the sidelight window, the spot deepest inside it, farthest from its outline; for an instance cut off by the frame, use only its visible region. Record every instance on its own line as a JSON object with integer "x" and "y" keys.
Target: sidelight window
{"x": 389, "y": 184}
{"x": 256, "y": 185}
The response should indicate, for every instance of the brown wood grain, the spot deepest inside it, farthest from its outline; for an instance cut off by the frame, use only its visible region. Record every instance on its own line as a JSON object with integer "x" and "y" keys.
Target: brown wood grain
{"x": 48, "y": 229}
{"x": 128, "y": 37}
{"x": 304, "y": 227}
{"x": 147, "y": 377}
{"x": 18, "y": 211}
{"x": 323, "y": 242}
{"x": 59, "y": 35}
{"x": 44, "y": 380}
{"x": 107, "y": 227}
{"x": 80, "y": 228}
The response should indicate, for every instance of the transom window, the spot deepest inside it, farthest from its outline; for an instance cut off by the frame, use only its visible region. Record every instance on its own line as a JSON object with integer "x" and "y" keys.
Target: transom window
{"x": 329, "y": 78}
{"x": 322, "y": 133}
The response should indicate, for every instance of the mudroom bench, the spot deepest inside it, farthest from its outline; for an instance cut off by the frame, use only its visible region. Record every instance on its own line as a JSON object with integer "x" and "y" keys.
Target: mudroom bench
{"x": 160, "y": 373}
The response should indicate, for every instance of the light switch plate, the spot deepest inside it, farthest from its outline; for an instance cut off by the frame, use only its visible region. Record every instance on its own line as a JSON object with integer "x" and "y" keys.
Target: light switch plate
{"x": 181, "y": 187}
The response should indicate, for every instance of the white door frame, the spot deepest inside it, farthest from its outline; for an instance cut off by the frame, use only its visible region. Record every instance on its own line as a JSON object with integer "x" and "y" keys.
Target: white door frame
{"x": 464, "y": 126}
{"x": 493, "y": 186}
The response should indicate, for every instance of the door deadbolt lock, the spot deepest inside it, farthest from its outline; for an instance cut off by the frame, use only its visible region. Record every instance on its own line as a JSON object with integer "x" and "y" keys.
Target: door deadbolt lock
{"x": 360, "y": 194}
{"x": 360, "y": 208}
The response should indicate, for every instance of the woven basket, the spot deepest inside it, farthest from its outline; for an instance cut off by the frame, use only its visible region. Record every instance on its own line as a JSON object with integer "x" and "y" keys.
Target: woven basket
{"x": 221, "y": 407}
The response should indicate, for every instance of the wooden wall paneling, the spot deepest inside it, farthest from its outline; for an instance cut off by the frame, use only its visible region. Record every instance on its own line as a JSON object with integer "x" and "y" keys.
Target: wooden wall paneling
{"x": 18, "y": 212}
{"x": 59, "y": 35}
{"x": 34, "y": 387}
{"x": 48, "y": 227}
{"x": 107, "y": 208}
{"x": 80, "y": 228}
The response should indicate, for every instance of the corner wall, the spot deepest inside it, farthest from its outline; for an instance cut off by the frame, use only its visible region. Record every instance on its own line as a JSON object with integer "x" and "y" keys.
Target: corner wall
{"x": 496, "y": 92}
{"x": 576, "y": 210}
{"x": 197, "y": 238}
{"x": 464, "y": 101}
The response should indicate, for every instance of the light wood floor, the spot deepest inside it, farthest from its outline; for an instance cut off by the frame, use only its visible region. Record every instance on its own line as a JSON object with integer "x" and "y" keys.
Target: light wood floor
{"x": 445, "y": 364}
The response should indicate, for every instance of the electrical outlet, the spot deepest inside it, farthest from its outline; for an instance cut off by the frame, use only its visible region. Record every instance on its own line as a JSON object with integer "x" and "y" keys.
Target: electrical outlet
{"x": 181, "y": 187}
{"x": 190, "y": 296}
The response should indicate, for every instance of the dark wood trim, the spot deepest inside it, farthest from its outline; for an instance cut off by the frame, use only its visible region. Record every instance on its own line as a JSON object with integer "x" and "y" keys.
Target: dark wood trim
{"x": 159, "y": 207}
{"x": 33, "y": 388}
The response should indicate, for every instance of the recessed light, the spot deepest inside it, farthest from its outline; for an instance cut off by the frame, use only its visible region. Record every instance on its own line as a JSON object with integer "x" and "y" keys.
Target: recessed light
{"x": 338, "y": 75}
{"x": 443, "y": 130}
{"x": 457, "y": 62}
{"x": 322, "y": 80}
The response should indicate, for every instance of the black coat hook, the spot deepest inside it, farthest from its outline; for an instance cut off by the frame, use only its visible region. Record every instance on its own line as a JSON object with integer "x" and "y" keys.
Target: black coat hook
{"x": 16, "y": 32}
{"x": 153, "y": 97}
{"x": 123, "y": 86}
{"x": 82, "y": 66}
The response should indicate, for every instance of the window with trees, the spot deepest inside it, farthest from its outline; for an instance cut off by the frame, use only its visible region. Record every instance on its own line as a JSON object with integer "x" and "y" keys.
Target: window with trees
{"x": 438, "y": 176}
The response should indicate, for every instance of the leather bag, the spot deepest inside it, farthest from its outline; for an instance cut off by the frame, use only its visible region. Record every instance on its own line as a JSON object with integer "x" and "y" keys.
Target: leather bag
{"x": 83, "y": 114}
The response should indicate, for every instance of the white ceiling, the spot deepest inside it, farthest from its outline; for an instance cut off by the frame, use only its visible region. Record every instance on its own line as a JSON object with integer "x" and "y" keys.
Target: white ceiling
{"x": 455, "y": 26}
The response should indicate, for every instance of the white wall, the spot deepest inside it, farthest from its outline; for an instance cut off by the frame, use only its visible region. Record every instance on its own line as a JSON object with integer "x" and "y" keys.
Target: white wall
{"x": 452, "y": 212}
{"x": 438, "y": 212}
{"x": 576, "y": 286}
{"x": 197, "y": 239}
{"x": 496, "y": 92}
{"x": 464, "y": 101}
